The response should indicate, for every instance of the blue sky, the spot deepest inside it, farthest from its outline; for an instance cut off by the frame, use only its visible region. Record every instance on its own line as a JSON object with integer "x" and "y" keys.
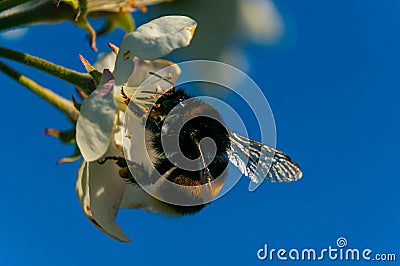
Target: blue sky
{"x": 333, "y": 85}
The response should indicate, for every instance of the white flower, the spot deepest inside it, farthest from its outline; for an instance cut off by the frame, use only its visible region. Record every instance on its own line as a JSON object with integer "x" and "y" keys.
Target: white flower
{"x": 99, "y": 111}
{"x": 99, "y": 128}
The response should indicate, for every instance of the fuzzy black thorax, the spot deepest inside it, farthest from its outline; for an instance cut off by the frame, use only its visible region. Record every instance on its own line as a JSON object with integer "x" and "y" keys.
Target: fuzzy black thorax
{"x": 203, "y": 121}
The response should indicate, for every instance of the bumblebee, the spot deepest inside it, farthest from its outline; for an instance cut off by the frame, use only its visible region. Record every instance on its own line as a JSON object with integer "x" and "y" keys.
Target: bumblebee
{"x": 202, "y": 121}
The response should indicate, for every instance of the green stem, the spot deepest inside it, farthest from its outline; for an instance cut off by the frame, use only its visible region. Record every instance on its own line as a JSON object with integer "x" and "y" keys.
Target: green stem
{"x": 14, "y": 13}
{"x": 80, "y": 80}
{"x": 7, "y": 4}
{"x": 62, "y": 104}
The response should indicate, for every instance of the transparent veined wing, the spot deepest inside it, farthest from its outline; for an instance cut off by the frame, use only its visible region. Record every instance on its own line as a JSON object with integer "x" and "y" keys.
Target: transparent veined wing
{"x": 258, "y": 161}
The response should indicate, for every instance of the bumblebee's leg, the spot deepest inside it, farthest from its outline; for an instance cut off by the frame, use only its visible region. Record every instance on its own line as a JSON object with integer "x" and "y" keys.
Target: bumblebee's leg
{"x": 128, "y": 170}
{"x": 120, "y": 161}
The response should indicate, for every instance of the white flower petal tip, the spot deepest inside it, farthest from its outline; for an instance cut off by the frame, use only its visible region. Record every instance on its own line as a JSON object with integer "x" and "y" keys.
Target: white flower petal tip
{"x": 100, "y": 194}
{"x": 160, "y": 37}
{"x": 97, "y": 119}
{"x": 105, "y": 61}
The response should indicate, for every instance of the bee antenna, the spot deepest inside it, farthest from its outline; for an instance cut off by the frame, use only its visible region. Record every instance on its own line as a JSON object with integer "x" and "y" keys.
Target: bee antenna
{"x": 163, "y": 78}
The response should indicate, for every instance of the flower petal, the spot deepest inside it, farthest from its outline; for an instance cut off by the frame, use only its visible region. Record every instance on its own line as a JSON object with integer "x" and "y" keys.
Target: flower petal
{"x": 105, "y": 60}
{"x": 100, "y": 191}
{"x": 82, "y": 188}
{"x": 123, "y": 64}
{"x": 160, "y": 37}
{"x": 164, "y": 68}
{"x": 97, "y": 120}
{"x": 153, "y": 40}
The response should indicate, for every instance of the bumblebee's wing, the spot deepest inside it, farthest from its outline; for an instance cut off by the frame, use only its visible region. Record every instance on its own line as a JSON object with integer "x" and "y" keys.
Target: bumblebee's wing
{"x": 258, "y": 161}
